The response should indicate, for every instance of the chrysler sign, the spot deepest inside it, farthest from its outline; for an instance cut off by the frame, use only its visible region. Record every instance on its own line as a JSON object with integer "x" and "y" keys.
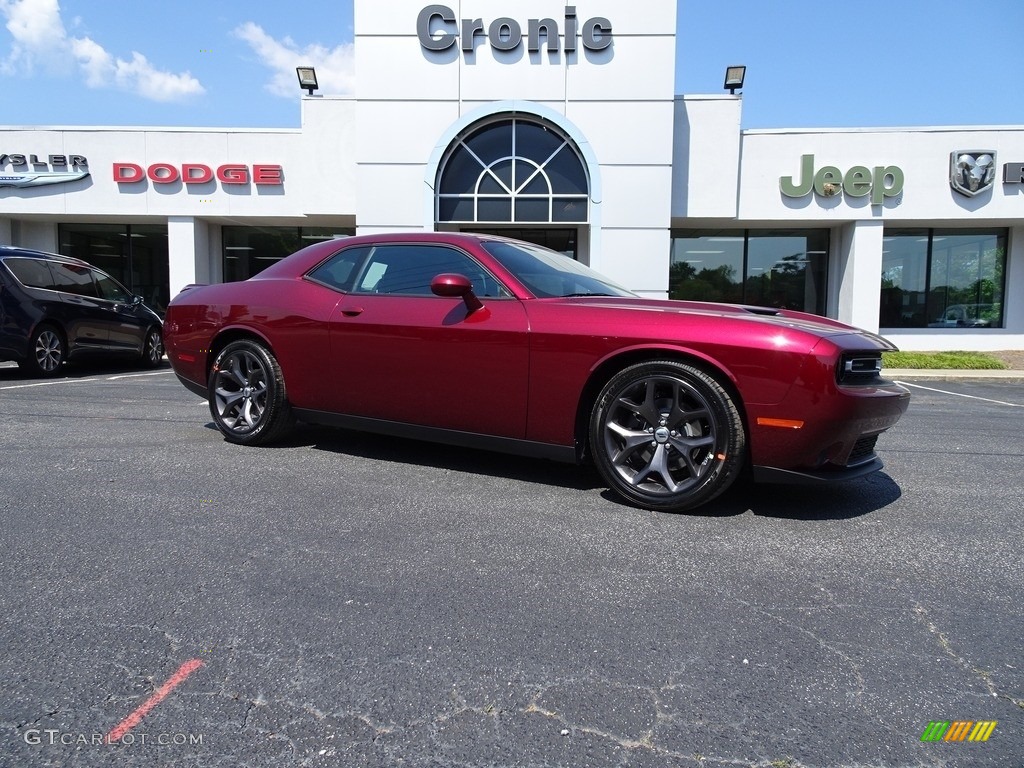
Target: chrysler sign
{"x": 19, "y": 170}
{"x": 438, "y": 29}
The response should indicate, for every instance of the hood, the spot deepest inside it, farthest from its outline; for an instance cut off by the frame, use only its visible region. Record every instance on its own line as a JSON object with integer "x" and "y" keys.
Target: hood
{"x": 815, "y": 324}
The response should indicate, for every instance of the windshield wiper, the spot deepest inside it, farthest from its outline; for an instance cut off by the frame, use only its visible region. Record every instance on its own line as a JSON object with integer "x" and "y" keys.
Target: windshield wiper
{"x": 573, "y": 295}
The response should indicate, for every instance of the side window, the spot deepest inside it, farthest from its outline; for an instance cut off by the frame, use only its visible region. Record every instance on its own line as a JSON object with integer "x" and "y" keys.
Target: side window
{"x": 408, "y": 270}
{"x": 110, "y": 289}
{"x": 72, "y": 279}
{"x": 31, "y": 273}
{"x": 339, "y": 270}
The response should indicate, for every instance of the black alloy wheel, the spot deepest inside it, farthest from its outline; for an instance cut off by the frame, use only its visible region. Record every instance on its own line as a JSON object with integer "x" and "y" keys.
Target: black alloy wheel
{"x": 247, "y": 394}
{"x": 667, "y": 436}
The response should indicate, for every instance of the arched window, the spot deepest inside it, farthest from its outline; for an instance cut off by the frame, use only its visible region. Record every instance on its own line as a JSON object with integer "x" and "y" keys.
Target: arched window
{"x": 512, "y": 170}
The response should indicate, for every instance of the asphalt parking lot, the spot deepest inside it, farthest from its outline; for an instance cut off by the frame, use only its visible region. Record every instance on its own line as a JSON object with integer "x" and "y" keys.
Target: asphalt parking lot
{"x": 355, "y": 600}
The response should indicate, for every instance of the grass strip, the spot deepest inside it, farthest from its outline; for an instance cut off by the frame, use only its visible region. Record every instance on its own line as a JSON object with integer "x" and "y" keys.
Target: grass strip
{"x": 964, "y": 361}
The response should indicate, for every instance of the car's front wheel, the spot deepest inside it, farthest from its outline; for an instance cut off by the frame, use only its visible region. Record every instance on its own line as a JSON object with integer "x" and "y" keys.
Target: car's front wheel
{"x": 247, "y": 394}
{"x": 47, "y": 352}
{"x": 667, "y": 436}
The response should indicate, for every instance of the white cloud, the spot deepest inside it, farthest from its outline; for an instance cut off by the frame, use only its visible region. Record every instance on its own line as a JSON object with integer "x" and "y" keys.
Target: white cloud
{"x": 32, "y": 23}
{"x": 34, "y": 26}
{"x": 40, "y": 38}
{"x": 335, "y": 67}
{"x": 97, "y": 65}
{"x": 140, "y": 76}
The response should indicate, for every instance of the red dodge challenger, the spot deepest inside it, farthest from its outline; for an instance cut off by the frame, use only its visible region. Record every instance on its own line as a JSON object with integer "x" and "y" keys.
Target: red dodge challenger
{"x": 492, "y": 343}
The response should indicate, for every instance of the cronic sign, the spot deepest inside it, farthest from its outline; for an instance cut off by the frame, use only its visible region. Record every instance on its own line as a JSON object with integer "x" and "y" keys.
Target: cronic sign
{"x": 438, "y": 29}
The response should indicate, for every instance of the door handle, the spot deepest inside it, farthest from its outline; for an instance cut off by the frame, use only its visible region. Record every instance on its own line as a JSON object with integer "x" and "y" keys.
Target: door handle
{"x": 353, "y": 312}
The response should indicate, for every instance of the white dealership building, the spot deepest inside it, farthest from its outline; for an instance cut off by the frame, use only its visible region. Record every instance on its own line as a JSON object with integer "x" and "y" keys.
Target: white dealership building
{"x": 558, "y": 124}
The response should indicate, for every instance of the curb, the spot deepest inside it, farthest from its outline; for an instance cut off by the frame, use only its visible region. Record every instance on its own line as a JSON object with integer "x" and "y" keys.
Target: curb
{"x": 951, "y": 374}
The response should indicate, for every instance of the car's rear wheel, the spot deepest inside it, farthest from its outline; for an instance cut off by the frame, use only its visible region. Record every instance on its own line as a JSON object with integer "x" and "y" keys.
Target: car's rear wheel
{"x": 46, "y": 353}
{"x": 667, "y": 436}
{"x": 152, "y": 348}
{"x": 247, "y": 394}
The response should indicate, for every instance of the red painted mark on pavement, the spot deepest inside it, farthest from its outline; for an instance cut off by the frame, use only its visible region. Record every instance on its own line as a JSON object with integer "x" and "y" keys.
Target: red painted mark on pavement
{"x": 162, "y": 692}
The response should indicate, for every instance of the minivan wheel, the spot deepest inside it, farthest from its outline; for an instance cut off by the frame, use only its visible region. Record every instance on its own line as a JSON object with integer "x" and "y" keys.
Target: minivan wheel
{"x": 152, "y": 348}
{"x": 46, "y": 353}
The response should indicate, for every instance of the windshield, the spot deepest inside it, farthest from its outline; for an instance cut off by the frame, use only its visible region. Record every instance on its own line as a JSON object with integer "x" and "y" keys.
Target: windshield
{"x": 549, "y": 274}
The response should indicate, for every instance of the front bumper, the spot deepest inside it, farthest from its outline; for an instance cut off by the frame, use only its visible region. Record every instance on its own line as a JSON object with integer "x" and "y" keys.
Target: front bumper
{"x": 816, "y": 477}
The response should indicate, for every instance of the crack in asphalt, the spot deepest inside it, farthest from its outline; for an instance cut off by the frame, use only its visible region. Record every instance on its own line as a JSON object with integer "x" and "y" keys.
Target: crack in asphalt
{"x": 287, "y": 718}
{"x": 921, "y": 613}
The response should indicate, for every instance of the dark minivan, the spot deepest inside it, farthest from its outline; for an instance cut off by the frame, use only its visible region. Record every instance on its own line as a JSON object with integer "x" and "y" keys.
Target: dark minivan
{"x": 56, "y": 308}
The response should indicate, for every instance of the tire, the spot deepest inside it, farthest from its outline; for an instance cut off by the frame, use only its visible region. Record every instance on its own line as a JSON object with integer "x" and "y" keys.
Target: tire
{"x": 667, "y": 436}
{"x": 247, "y": 394}
{"x": 47, "y": 351}
{"x": 152, "y": 348}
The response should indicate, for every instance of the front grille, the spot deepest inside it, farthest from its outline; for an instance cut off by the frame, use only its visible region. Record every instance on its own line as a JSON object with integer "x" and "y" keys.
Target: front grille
{"x": 859, "y": 368}
{"x": 863, "y": 450}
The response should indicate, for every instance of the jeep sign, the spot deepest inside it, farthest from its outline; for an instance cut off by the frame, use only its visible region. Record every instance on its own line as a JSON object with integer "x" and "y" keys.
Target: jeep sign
{"x": 880, "y": 182}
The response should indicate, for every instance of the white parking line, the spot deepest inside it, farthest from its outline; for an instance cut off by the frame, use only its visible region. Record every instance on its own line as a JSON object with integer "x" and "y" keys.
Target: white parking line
{"x": 81, "y": 381}
{"x": 960, "y": 394}
{"x": 137, "y": 375}
{"x": 49, "y": 383}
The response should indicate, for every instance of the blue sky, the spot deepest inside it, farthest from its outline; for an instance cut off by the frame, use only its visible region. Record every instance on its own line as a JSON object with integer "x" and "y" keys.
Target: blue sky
{"x": 232, "y": 63}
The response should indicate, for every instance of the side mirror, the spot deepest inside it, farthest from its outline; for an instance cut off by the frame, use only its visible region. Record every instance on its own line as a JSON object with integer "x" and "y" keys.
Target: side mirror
{"x": 452, "y": 285}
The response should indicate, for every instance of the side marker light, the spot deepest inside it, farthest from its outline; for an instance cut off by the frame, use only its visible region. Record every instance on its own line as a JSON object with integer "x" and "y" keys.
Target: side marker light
{"x": 782, "y": 423}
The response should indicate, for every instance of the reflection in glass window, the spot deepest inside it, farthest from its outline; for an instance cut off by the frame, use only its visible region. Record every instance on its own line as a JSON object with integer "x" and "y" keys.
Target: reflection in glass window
{"x": 943, "y": 278}
{"x": 512, "y": 171}
{"x": 250, "y": 250}
{"x": 408, "y": 270}
{"x": 135, "y": 255}
{"x": 786, "y": 269}
{"x": 707, "y": 267}
{"x": 547, "y": 274}
{"x": 71, "y": 279}
{"x": 338, "y": 271}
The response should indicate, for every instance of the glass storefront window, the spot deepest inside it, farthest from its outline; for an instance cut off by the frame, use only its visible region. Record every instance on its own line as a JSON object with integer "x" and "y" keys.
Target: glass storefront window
{"x": 943, "y": 278}
{"x": 134, "y": 255}
{"x": 250, "y": 250}
{"x": 707, "y": 267}
{"x": 772, "y": 268}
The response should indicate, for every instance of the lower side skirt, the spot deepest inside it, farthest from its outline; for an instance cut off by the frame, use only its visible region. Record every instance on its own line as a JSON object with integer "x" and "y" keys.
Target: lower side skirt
{"x": 563, "y": 453}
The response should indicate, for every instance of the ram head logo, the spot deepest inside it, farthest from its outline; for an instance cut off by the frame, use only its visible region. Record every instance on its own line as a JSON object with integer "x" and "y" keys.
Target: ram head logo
{"x": 972, "y": 171}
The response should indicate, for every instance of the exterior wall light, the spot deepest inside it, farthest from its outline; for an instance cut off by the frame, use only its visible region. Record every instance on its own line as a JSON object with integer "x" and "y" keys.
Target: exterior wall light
{"x": 307, "y": 78}
{"x": 734, "y": 78}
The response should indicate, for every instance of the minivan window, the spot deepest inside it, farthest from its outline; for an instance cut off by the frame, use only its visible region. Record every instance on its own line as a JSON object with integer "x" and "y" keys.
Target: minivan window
{"x": 32, "y": 273}
{"x": 110, "y": 289}
{"x": 73, "y": 279}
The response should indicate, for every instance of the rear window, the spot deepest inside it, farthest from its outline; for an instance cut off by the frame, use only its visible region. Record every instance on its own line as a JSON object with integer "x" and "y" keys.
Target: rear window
{"x": 31, "y": 273}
